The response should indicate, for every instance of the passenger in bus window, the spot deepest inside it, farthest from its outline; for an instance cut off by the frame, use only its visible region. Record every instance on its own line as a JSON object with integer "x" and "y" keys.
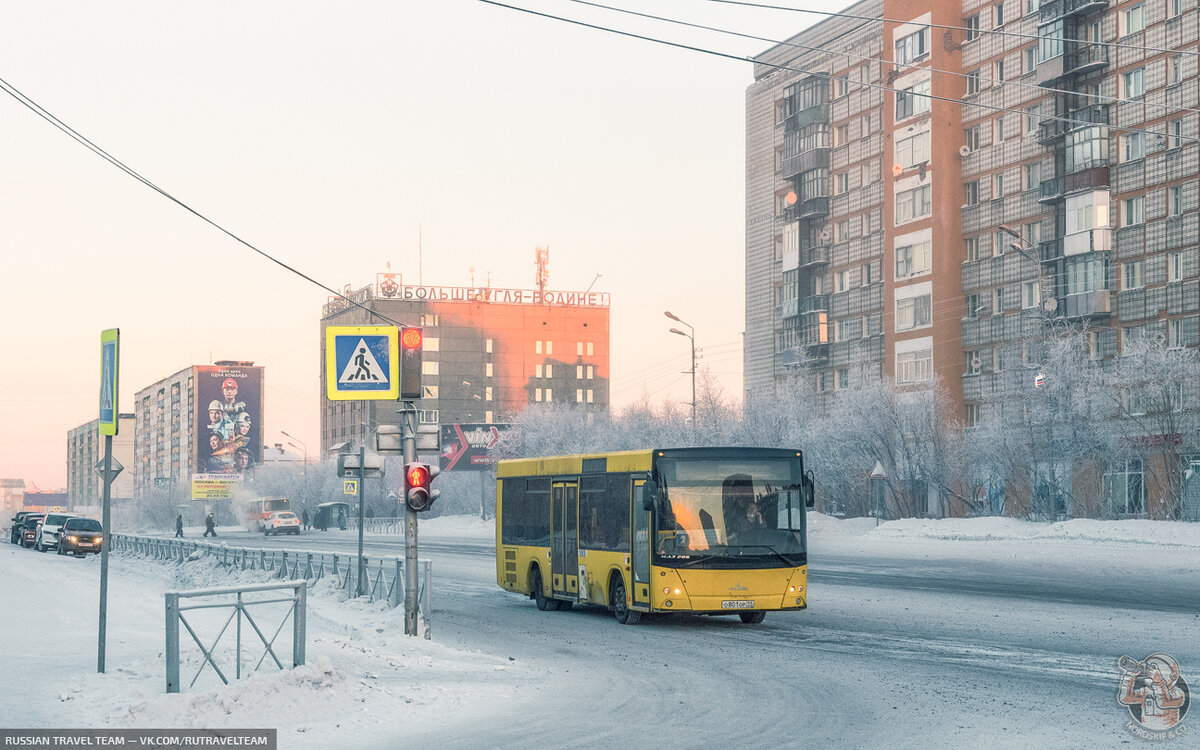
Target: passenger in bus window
{"x": 754, "y": 519}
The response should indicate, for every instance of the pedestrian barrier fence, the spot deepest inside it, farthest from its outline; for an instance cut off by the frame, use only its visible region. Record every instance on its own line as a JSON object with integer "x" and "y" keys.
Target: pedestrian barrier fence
{"x": 244, "y": 598}
{"x": 383, "y": 577}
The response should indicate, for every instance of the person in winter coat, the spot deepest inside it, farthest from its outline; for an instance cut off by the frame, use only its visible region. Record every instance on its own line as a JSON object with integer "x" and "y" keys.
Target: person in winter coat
{"x": 179, "y": 525}
{"x": 209, "y": 525}
{"x": 304, "y": 519}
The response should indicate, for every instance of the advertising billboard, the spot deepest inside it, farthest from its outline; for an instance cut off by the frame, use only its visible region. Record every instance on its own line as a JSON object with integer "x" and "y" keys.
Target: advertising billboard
{"x": 228, "y": 419}
{"x": 470, "y": 447}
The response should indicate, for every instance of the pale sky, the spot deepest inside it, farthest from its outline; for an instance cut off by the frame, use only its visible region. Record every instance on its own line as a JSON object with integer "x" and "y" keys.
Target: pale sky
{"x": 325, "y": 134}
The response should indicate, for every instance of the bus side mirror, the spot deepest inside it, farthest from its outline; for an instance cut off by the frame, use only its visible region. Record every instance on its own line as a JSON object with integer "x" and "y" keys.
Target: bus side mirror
{"x": 649, "y": 494}
{"x": 810, "y": 493}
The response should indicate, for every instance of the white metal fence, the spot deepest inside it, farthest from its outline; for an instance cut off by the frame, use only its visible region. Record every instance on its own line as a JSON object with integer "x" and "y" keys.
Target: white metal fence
{"x": 384, "y": 577}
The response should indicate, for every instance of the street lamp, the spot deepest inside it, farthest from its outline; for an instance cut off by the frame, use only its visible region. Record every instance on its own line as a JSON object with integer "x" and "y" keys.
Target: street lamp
{"x": 692, "y": 338}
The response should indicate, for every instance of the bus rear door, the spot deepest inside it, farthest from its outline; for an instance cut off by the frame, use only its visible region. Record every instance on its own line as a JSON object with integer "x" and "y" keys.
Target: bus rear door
{"x": 564, "y": 540}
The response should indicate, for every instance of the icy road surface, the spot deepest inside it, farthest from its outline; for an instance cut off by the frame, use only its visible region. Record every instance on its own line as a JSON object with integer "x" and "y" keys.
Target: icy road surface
{"x": 906, "y": 644}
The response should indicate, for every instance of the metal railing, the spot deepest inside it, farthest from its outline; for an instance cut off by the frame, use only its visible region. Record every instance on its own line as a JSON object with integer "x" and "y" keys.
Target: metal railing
{"x": 174, "y": 612}
{"x": 384, "y": 576}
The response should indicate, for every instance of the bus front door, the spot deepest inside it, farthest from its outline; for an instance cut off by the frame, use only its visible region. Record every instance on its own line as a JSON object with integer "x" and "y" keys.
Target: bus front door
{"x": 564, "y": 540}
{"x": 641, "y": 548}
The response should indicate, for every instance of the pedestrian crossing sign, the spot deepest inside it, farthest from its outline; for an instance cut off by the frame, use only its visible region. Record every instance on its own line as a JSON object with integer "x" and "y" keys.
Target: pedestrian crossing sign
{"x": 362, "y": 362}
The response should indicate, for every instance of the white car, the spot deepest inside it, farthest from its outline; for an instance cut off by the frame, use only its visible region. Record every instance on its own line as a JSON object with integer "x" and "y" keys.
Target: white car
{"x": 281, "y": 522}
{"x": 47, "y": 533}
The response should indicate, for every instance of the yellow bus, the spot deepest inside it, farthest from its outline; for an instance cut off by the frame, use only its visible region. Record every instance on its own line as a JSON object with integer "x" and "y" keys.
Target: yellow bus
{"x": 715, "y": 531}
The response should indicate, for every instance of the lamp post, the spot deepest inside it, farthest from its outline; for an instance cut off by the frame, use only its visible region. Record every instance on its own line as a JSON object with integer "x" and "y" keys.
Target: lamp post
{"x": 691, "y": 337}
{"x": 304, "y": 474}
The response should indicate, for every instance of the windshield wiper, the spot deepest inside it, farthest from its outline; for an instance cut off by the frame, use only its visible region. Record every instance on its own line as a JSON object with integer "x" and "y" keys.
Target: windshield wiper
{"x": 787, "y": 561}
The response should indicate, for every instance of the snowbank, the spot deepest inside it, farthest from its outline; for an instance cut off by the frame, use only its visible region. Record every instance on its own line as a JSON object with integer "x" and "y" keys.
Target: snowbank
{"x": 1159, "y": 533}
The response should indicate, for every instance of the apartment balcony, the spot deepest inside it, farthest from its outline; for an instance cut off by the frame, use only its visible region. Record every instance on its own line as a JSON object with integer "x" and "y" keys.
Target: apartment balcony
{"x": 814, "y": 256}
{"x": 810, "y": 208}
{"x": 1097, "y": 240}
{"x": 1086, "y": 305}
{"x": 814, "y": 158}
{"x": 1051, "y": 250}
{"x": 816, "y": 303}
{"x": 789, "y": 308}
{"x": 1089, "y": 178}
{"x": 1095, "y": 114}
{"x": 1051, "y": 131}
{"x": 807, "y": 116}
{"x": 1084, "y": 58}
{"x": 1052, "y": 10}
{"x": 1051, "y": 190}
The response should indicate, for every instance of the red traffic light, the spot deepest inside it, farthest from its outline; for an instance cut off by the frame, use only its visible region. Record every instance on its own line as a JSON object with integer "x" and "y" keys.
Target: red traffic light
{"x": 410, "y": 338}
{"x": 416, "y": 476}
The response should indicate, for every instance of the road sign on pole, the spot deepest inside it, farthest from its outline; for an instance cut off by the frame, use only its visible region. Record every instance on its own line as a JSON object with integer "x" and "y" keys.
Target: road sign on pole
{"x": 110, "y": 344}
{"x": 362, "y": 362}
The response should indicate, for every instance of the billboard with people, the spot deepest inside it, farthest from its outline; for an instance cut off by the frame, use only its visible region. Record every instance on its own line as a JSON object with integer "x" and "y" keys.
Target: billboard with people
{"x": 229, "y": 409}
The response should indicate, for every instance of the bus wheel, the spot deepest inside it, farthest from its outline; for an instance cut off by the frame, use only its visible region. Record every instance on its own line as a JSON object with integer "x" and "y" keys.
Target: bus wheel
{"x": 544, "y": 602}
{"x": 620, "y": 610}
{"x": 752, "y": 618}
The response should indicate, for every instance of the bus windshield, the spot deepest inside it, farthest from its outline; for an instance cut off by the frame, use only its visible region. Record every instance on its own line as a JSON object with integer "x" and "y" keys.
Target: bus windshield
{"x": 731, "y": 513}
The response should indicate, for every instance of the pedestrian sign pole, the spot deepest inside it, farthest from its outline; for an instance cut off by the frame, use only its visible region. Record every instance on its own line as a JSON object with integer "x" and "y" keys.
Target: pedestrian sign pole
{"x": 110, "y": 349}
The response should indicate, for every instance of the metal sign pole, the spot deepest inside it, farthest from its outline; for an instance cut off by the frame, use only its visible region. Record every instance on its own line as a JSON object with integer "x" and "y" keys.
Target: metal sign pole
{"x": 362, "y": 568}
{"x": 104, "y": 542}
{"x": 411, "y": 584}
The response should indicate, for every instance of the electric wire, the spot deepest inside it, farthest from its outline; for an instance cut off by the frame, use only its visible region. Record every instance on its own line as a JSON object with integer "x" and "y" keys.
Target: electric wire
{"x": 40, "y": 111}
{"x": 816, "y": 74}
{"x": 998, "y": 83}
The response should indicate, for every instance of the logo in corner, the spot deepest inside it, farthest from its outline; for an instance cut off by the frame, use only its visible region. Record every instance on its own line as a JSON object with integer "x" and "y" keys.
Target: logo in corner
{"x": 1156, "y": 695}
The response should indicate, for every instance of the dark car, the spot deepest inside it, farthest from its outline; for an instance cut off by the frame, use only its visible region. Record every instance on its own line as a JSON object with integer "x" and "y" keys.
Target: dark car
{"x": 80, "y": 536}
{"x": 29, "y": 528}
{"x": 18, "y": 525}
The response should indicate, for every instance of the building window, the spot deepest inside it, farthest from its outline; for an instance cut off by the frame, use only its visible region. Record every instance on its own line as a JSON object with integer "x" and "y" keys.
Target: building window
{"x": 866, "y": 274}
{"x": 1135, "y": 211}
{"x": 841, "y": 281}
{"x": 1175, "y": 200}
{"x": 999, "y": 14}
{"x": 590, "y": 372}
{"x": 1133, "y": 19}
{"x": 1174, "y": 8}
{"x": 1175, "y": 266}
{"x": 1175, "y": 74}
{"x": 913, "y": 259}
{"x": 589, "y": 395}
{"x": 549, "y": 394}
{"x": 1086, "y": 148}
{"x": 972, "y": 24}
{"x": 841, "y": 135}
{"x": 841, "y": 85}
{"x": 913, "y": 151}
{"x": 579, "y": 372}
{"x": 487, "y": 346}
{"x": 841, "y": 183}
{"x": 1133, "y": 83}
{"x": 972, "y": 248}
{"x": 912, "y": 47}
{"x": 973, "y": 306}
{"x": 591, "y": 348}
{"x": 1031, "y": 294}
{"x": 997, "y": 186}
{"x": 974, "y": 362}
{"x": 912, "y": 101}
{"x": 1086, "y": 273}
{"x": 1134, "y": 146}
{"x": 914, "y": 367}
{"x": 579, "y": 395}
{"x": 487, "y": 370}
{"x": 1133, "y": 275}
{"x": 998, "y": 76}
{"x": 1030, "y": 59}
{"x": 579, "y": 348}
{"x": 998, "y": 307}
{"x": 1033, "y": 178}
{"x": 1125, "y": 488}
{"x": 972, "y": 82}
{"x": 537, "y": 347}
{"x": 487, "y": 393}
{"x": 913, "y": 204}
{"x": 537, "y": 394}
{"x": 972, "y": 192}
{"x": 537, "y": 371}
{"x": 1050, "y": 40}
{"x": 1175, "y": 133}
{"x": 914, "y": 312}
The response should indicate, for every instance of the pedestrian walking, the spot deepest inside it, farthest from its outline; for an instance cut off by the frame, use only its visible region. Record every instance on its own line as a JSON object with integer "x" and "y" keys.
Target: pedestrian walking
{"x": 179, "y": 525}
{"x": 304, "y": 518}
{"x": 210, "y": 526}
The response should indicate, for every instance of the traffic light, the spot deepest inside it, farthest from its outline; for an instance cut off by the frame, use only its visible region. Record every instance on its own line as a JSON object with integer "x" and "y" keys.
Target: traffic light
{"x": 417, "y": 493}
{"x": 411, "y": 340}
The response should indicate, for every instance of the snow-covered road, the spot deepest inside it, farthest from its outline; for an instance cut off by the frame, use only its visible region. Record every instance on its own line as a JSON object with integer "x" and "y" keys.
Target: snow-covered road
{"x": 870, "y": 664}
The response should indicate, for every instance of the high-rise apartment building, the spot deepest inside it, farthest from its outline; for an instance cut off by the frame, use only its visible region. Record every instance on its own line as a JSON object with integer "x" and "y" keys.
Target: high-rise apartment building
{"x": 85, "y": 450}
{"x": 929, "y": 192}
{"x": 487, "y": 353}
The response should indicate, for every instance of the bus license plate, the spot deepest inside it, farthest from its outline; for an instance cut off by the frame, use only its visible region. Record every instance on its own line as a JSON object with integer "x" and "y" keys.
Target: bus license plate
{"x": 737, "y": 604}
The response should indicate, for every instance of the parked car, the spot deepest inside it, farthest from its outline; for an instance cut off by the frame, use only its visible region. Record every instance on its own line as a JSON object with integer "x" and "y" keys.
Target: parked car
{"x": 29, "y": 528}
{"x": 47, "y": 533}
{"x": 281, "y": 522}
{"x": 18, "y": 525}
{"x": 80, "y": 536}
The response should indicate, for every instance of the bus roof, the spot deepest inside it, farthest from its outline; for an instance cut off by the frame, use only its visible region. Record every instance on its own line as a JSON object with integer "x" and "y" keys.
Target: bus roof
{"x": 640, "y": 460}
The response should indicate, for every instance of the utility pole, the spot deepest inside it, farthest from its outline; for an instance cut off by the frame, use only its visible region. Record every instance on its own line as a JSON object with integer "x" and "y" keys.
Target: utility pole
{"x": 411, "y": 599}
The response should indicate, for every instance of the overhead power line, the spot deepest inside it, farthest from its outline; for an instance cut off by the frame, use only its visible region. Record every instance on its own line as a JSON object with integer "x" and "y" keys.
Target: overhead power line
{"x": 40, "y": 111}
{"x": 905, "y": 66}
{"x": 815, "y": 73}
{"x": 879, "y": 19}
